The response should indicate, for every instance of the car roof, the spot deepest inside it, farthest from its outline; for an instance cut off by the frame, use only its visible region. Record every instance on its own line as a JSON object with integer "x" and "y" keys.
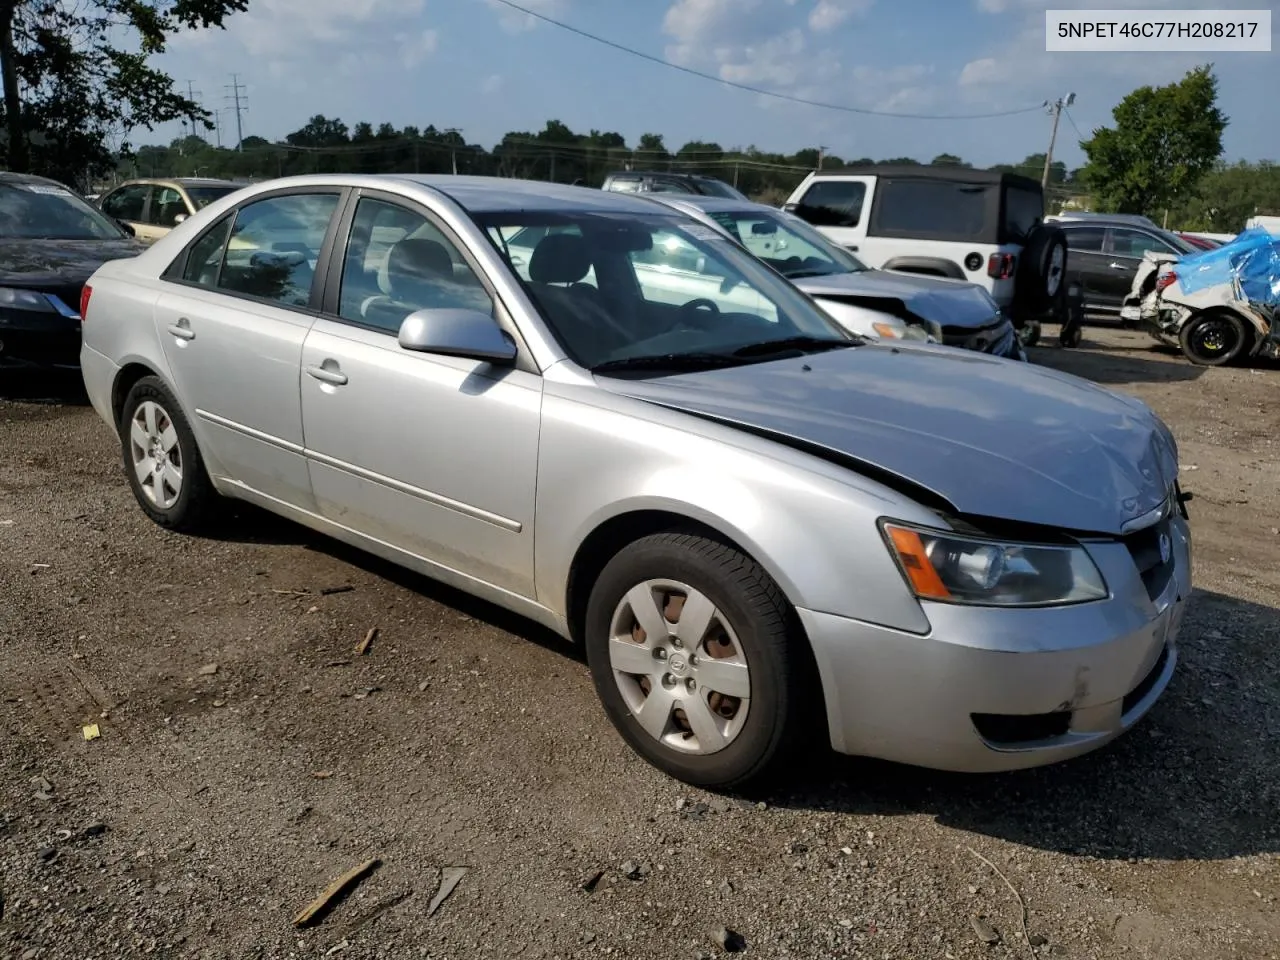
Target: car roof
{"x": 181, "y": 182}
{"x": 496, "y": 194}
{"x": 8, "y": 176}
{"x": 924, "y": 171}
{"x": 711, "y": 204}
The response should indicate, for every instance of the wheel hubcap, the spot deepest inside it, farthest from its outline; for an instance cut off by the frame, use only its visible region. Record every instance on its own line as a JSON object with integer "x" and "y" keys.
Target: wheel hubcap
{"x": 155, "y": 454}
{"x": 1057, "y": 263}
{"x": 679, "y": 667}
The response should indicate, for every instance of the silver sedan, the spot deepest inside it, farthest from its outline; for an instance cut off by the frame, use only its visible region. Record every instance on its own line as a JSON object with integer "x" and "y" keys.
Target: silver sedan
{"x": 754, "y": 521}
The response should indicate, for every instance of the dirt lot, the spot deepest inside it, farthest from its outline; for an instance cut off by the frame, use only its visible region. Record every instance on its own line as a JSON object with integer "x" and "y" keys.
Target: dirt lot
{"x": 216, "y": 804}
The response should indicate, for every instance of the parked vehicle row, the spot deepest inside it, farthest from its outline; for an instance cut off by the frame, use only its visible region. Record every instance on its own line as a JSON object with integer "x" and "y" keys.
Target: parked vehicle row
{"x": 765, "y": 530}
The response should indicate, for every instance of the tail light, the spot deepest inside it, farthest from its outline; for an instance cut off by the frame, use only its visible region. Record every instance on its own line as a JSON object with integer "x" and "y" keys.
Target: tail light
{"x": 1166, "y": 280}
{"x": 1000, "y": 266}
{"x": 85, "y": 294}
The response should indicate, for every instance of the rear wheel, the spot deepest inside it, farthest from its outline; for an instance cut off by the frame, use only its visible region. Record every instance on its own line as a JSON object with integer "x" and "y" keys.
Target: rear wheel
{"x": 1041, "y": 276}
{"x": 698, "y": 660}
{"x": 162, "y": 460}
{"x": 1213, "y": 339}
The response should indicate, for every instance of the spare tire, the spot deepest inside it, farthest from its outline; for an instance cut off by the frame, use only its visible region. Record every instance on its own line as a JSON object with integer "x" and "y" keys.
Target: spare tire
{"x": 1041, "y": 277}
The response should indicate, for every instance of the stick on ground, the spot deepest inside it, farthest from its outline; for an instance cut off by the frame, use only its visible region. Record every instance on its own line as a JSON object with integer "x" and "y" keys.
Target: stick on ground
{"x": 319, "y": 908}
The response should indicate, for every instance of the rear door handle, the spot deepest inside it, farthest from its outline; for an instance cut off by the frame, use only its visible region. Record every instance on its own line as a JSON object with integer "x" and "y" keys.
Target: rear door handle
{"x": 328, "y": 375}
{"x": 1118, "y": 266}
{"x": 182, "y": 329}
{"x": 851, "y": 246}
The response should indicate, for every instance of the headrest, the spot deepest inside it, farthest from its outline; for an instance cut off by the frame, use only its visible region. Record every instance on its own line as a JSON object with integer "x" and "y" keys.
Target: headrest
{"x": 560, "y": 258}
{"x": 420, "y": 259}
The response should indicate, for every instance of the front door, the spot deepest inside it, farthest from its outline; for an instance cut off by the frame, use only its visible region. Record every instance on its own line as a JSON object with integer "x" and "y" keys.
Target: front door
{"x": 233, "y": 322}
{"x": 431, "y": 454}
{"x": 1088, "y": 266}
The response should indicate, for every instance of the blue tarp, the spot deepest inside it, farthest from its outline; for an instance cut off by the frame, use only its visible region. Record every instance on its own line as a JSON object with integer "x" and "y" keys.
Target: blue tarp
{"x": 1251, "y": 260}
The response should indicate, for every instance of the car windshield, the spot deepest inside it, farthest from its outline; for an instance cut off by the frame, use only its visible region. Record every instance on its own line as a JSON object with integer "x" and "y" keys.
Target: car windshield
{"x": 653, "y": 292}
{"x": 49, "y": 211}
{"x": 203, "y": 196}
{"x": 785, "y": 242}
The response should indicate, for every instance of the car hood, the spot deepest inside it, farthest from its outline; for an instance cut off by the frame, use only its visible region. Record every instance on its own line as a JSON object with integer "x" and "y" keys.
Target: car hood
{"x": 948, "y": 303}
{"x": 42, "y": 262}
{"x": 994, "y": 438}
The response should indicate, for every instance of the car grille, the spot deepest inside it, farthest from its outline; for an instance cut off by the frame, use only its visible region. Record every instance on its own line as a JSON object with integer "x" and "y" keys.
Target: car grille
{"x": 1145, "y": 548}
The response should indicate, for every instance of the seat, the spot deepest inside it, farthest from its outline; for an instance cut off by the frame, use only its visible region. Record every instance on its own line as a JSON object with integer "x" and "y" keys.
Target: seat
{"x": 417, "y": 274}
{"x": 557, "y": 268}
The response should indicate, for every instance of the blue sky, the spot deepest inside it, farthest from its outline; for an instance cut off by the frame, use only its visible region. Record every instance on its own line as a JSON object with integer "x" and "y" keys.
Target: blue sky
{"x": 480, "y": 67}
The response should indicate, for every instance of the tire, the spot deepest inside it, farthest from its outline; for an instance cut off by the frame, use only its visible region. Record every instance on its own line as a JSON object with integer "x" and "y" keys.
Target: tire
{"x": 767, "y": 656}
{"x": 1029, "y": 333}
{"x": 1041, "y": 278}
{"x": 184, "y": 504}
{"x": 1214, "y": 338}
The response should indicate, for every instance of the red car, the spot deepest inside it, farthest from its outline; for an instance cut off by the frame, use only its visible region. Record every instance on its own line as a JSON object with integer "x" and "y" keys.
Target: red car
{"x": 1204, "y": 243}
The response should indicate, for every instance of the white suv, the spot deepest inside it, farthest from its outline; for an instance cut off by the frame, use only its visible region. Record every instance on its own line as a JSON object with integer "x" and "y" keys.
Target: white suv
{"x": 982, "y": 226}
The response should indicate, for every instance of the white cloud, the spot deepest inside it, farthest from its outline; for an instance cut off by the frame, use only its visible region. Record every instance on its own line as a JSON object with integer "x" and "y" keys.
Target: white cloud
{"x": 829, "y": 14}
{"x": 982, "y": 71}
{"x": 513, "y": 21}
{"x": 492, "y": 83}
{"x": 416, "y": 47}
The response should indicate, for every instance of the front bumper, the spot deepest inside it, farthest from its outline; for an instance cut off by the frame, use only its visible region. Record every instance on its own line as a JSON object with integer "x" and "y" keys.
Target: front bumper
{"x": 43, "y": 341}
{"x": 998, "y": 339}
{"x": 989, "y": 690}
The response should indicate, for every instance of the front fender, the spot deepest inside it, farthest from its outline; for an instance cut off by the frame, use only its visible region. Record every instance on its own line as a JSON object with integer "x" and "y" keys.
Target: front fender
{"x": 811, "y": 524}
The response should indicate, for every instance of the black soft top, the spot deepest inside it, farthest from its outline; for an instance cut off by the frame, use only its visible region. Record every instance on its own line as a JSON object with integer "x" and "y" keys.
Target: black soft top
{"x": 954, "y": 174}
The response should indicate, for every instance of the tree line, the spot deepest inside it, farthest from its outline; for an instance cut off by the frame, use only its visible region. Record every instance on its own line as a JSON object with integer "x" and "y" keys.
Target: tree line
{"x": 554, "y": 153}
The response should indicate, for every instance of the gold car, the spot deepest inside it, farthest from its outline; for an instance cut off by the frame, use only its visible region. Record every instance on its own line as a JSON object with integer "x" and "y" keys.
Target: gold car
{"x": 154, "y": 207}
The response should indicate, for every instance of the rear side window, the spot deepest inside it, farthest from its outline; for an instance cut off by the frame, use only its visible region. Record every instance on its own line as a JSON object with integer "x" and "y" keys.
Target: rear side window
{"x": 205, "y": 259}
{"x": 833, "y": 203}
{"x": 1023, "y": 209}
{"x": 935, "y": 209}
{"x": 671, "y": 186}
{"x": 1085, "y": 239}
{"x": 1134, "y": 243}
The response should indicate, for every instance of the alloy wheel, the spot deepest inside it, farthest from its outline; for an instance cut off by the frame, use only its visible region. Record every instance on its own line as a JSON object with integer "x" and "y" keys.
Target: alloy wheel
{"x": 155, "y": 454}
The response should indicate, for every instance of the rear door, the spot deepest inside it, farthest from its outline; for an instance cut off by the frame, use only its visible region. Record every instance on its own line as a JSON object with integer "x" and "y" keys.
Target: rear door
{"x": 839, "y": 207}
{"x": 239, "y": 303}
{"x": 1088, "y": 266}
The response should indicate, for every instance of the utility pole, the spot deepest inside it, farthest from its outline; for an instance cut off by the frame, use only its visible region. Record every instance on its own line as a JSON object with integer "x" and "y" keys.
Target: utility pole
{"x": 453, "y": 151}
{"x": 240, "y": 103}
{"x": 217, "y": 127}
{"x": 1055, "y": 109}
{"x": 822, "y": 153}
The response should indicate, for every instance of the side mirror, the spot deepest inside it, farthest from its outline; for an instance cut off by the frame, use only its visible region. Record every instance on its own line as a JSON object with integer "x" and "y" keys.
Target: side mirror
{"x": 457, "y": 333}
{"x": 178, "y": 218}
{"x": 790, "y": 207}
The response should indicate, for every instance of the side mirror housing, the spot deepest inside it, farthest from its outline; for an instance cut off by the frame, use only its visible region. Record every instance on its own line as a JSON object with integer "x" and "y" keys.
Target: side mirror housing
{"x": 457, "y": 333}
{"x": 178, "y": 218}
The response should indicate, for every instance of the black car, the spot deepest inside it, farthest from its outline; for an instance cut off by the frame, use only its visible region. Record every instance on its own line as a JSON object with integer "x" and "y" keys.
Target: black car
{"x": 1105, "y": 255}
{"x": 51, "y": 242}
{"x": 646, "y": 181}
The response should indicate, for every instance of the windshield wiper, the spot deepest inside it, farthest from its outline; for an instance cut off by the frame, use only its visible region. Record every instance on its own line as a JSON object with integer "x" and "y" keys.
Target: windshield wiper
{"x": 683, "y": 362}
{"x": 802, "y": 343}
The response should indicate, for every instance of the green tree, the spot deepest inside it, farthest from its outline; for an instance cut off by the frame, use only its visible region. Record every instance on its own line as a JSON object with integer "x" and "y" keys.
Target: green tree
{"x": 948, "y": 160}
{"x": 69, "y": 74}
{"x": 1165, "y": 139}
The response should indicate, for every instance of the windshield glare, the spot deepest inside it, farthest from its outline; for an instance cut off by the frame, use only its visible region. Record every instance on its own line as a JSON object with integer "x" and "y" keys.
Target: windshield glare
{"x": 787, "y": 243}
{"x": 614, "y": 287}
{"x": 47, "y": 211}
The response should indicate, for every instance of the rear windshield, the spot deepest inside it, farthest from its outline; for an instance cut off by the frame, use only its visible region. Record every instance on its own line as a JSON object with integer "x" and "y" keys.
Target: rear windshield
{"x": 933, "y": 208}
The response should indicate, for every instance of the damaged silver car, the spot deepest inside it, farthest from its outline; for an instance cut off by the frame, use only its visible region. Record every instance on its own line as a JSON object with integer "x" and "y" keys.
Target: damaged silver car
{"x": 1218, "y": 307}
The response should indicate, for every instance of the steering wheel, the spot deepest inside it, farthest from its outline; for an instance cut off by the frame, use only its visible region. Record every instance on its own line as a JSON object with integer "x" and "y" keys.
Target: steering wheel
{"x": 684, "y": 316}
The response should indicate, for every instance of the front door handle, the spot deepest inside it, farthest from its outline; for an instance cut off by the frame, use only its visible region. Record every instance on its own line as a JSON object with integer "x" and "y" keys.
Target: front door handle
{"x": 182, "y": 329}
{"x": 328, "y": 375}
{"x": 851, "y": 246}
{"x": 1118, "y": 266}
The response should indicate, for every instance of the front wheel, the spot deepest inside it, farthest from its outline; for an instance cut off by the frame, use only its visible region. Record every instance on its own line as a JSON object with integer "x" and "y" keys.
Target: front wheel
{"x": 162, "y": 460}
{"x": 698, "y": 660}
{"x": 1213, "y": 339}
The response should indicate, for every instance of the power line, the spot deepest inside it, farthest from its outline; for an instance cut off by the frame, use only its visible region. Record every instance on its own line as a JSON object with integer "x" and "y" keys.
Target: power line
{"x": 758, "y": 90}
{"x": 1072, "y": 121}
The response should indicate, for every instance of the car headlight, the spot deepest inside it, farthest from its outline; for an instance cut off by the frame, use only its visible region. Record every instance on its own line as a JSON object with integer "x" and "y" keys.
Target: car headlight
{"x": 16, "y": 299}
{"x": 900, "y": 331}
{"x": 954, "y": 568}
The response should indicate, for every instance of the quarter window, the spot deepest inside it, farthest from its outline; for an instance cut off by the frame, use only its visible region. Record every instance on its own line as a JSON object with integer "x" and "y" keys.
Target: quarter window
{"x": 205, "y": 258}
{"x": 833, "y": 203}
{"x": 397, "y": 262}
{"x": 933, "y": 208}
{"x": 274, "y": 245}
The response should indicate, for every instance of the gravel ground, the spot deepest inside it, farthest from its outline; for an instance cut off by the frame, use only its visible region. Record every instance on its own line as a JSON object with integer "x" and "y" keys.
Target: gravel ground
{"x": 248, "y": 755}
